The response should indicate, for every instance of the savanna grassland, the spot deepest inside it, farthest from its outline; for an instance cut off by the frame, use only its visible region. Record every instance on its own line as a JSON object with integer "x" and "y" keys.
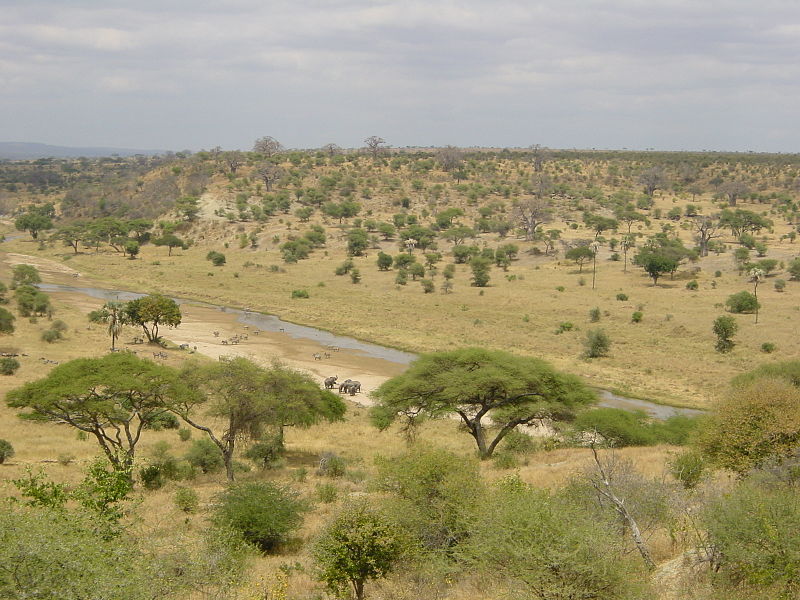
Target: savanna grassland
{"x": 521, "y": 308}
{"x": 300, "y": 235}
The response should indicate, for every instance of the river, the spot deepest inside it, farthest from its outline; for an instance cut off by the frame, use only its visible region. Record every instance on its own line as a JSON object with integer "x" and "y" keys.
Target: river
{"x": 271, "y": 323}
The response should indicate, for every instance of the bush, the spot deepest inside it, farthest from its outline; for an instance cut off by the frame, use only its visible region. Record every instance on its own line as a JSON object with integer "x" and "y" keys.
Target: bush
{"x": 519, "y": 443}
{"x": 637, "y": 316}
{"x": 6, "y": 451}
{"x": 327, "y": 492}
{"x": 619, "y": 427}
{"x": 262, "y": 512}
{"x": 161, "y": 421}
{"x": 266, "y": 451}
{"x": 427, "y": 286}
{"x": 6, "y": 321}
{"x": 299, "y": 293}
{"x": 594, "y": 314}
{"x": 8, "y": 366}
{"x": 725, "y": 328}
{"x": 185, "y": 434}
{"x": 757, "y": 532}
{"x": 768, "y": 347}
{"x": 186, "y": 500}
{"x": 331, "y": 465}
{"x": 597, "y": 343}
{"x": 59, "y": 325}
{"x": 50, "y": 336}
{"x": 689, "y": 468}
{"x": 152, "y": 477}
{"x": 742, "y": 302}
{"x": 565, "y": 326}
{"x": 217, "y": 258}
{"x": 205, "y": 455}
{"x": 622, "y": 297}
{"x": 692, "y": 285}
{"x": 780, "y": 285}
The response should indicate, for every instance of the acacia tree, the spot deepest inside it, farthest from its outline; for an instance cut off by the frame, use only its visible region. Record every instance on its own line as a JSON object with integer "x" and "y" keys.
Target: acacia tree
{"x": 248, "y": 399}
{"x": 479, "y": 385}
{"x": 112, "y": 398}
{"x": 150, "y": 312}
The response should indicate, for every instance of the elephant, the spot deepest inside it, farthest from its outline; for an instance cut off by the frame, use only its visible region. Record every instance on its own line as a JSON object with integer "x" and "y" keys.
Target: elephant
{"x": 350, "y": 387}
{"x": 330, "y": 382}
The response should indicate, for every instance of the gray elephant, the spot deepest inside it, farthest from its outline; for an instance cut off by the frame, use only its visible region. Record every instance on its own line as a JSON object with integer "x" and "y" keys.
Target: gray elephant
{"x": 343, "y": 387}
{"x": 350, "y": 387}
{"x": 330, "y": 382}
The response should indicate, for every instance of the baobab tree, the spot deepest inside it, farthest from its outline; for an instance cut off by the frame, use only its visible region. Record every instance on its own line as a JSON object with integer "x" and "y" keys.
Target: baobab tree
{"x": 375, "y": 145}
{"x": 706, "y": 228}
{"x": 269, "y": 173}
{"x": 652, "y": 179}
{"x": 267, "y": 146}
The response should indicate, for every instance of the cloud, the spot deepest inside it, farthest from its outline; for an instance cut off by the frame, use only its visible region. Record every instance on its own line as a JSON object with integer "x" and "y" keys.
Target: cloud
{"x": 575, "y": 72}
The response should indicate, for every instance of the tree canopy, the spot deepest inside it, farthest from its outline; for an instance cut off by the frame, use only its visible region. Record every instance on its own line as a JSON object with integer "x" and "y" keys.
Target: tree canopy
{"x": 479, "y": 386}
{"x": 113, "y": 398}
{"x": 150, "y": 312}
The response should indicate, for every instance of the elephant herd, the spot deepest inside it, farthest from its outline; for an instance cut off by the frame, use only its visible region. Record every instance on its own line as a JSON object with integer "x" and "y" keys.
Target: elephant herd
{"x": 348, "y": 386}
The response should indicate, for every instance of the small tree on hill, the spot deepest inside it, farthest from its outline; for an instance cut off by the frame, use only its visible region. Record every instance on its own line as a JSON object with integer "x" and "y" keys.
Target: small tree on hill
{"x": 725, "y": 328}
{"x": 581, "y": 255}
{"x": 150, "y": 312}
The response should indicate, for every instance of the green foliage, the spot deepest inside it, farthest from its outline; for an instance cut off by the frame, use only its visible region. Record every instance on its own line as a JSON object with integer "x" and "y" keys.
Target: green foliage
{"x": 779, "y": 285}
{"x": 475, "y": 383}
{"x": 332, "y": 465}
{"x": 6, "y": 321}
{"x": 6, "y": 451}
{"x": 186, "y": 500}
{"x": 40, "y": 491}
{"x": 580, "y": 254}
{"x": 31, "y": 301}
{"x": 103, "y": 490}
{"x": 725, "y": 328}
{"x": 50, "y": 336}
{"x": 436, "y": 496}
{"x": 565, "y": 326}
{"x": 618, "y": 427}
{"x": 358, "y": 545}
{"x": 205, "y": 455}
{"x": 756, "y": 530}
{"x": 327, "y": 492}
{"x": 692, "y": 285}
{"x": 262, "y": 512}
{"x": 384, "y": 261}
{"x": 481, "y": 268}
{"x": 151, "y": 312}
{"x": 637, "y": 317}
{"x": 217, "y": 258}
{"x": 8, "y": 366}
{"x": 742, "y": 302}
{"x": 594, "y": 314}
{"x": 544, "y": 546}
{"x": 185, "y": 434}
{"x": 300, "y": 294}
{"x": 428, "y": 286}
{"x": 357, "y": 241}
{"x": 597, "y": 343}
{"x": 768, "y": 347}
{"x": 757, "y": 422}
{"x": 112, "y": 397}
{"x": 266, "y": 451}
{"x": 622, "y": 297}
{"x": 689, "y": 467}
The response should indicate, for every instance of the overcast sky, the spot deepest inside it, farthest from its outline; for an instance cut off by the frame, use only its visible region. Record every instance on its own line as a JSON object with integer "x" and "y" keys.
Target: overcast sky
{"x": 191, "y": 74}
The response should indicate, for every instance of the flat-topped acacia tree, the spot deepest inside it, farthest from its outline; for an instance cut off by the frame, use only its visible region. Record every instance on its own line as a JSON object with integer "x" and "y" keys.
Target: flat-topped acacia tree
{"x": 113, "y": 398}
{"x": 491, "y": 391}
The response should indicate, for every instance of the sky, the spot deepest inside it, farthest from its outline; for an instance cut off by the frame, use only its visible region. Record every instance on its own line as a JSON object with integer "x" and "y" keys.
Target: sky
{"x": 193, "y": 74}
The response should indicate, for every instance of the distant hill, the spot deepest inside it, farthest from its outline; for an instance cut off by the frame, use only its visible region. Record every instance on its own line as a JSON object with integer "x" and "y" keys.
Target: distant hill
{"x": 26, "y": 150}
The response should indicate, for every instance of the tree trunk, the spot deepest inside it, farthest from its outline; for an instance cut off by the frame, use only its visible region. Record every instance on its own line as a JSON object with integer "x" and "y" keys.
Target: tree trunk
{"x": 358, "y": 588}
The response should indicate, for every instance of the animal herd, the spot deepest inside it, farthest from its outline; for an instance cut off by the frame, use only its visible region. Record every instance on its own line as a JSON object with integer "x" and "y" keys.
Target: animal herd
{"x": 348, "y": 386}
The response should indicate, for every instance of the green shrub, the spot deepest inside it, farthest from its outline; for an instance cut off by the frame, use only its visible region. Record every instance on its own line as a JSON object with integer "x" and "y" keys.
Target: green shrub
{"x": 6, "y": 451}
{"x": 622, "y": 297}
{"x": 186, "y": 500}
{"x": 505, "y": 460}
{"x": 161, "y": 421}
{"x": 8, "y": 366}
{"x": 59, "y": 325}
{"x": 205, "y": 455}
{"x": 50, "y": 336}
{"x": 6, "y": 321}
{"x": 565, "y": 326}
{"x": 262, "y": 512}
{"x": 618, "y": 427}
{"x": 560, "y": 288}
{"x": 217, "y": 258}
{"x": 717, "y": 273}
{"x": 594, "y": 314}
{"x": 677, "y": 430}
{"x": 519, "y": 443}
{"x": 597, "y": 343}
{"x": 331, "y": 465}
{"x": 152, "y": 477}
{"x": 692, "y": 285}
{"x": 185, "y": 434}
{"x": 299, "y": 293}
{"x": 266, "y": 451}
{"x": 688, "y": 467}
{"x": 637, "y": 316}
{"x": 768, "y": 347}
{"x": 742, "y": 302}
{"x": 780, "y": 285}
{"x": 756, "y": 530}
{"x": 327, "y": 492}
